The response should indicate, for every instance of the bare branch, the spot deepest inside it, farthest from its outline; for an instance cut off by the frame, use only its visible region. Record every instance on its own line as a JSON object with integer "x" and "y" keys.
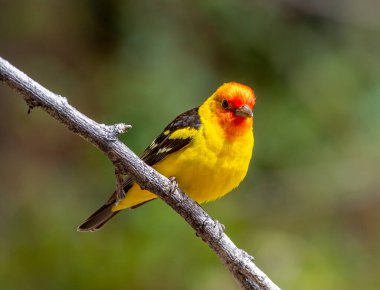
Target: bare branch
{"x": 104, "y": 137}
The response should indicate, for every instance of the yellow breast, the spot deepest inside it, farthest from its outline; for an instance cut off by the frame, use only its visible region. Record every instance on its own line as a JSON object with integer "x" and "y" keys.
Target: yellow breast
{"x": 207, "y": 172}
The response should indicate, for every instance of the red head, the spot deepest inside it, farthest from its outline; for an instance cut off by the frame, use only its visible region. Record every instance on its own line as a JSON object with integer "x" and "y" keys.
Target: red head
{"x": 237, "y": 95}
{"x": 233, "y": 104}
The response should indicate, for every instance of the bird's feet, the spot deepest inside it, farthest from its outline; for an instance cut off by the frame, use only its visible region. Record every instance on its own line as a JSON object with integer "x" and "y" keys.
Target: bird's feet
{"x": 173, "y": 184}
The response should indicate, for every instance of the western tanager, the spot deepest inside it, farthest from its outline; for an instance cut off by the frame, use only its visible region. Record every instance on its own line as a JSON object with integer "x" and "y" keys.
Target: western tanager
{"x": 207, "y": 149}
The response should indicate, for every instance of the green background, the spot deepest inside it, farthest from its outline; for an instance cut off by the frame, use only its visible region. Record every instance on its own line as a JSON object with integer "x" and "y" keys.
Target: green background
{"x": 309, "y": 209}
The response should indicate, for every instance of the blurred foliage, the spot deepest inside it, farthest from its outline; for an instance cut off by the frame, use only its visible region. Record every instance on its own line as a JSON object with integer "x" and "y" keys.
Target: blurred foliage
{"x": 309, "y": 209}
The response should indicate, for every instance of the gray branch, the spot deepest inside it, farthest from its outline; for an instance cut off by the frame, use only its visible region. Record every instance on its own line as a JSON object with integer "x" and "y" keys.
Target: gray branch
{"x": 105, "y": 137}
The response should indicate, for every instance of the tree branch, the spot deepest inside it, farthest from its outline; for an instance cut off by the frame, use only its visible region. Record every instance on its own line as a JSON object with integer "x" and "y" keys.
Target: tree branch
{"x": 104, "y": 137}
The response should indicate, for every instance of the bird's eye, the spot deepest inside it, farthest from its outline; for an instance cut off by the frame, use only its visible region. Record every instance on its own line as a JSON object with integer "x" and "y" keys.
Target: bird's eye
{"x": 225, "y": 104}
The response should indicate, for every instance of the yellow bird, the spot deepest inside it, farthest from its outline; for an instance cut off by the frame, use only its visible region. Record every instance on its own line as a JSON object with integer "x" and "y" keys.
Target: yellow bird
{"x": 207, "y": 149}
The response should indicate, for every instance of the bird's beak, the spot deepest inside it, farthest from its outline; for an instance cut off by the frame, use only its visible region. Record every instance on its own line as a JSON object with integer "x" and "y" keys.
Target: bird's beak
{"x": 244, "y": 111}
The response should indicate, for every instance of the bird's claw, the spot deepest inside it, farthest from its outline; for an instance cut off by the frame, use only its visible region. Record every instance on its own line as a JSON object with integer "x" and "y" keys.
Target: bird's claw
{"x": 173, "y": 184}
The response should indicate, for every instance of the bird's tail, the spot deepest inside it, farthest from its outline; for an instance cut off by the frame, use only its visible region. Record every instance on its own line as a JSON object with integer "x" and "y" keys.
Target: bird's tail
{"x": 133, "y": 199}
{"x": 98, "y": 218}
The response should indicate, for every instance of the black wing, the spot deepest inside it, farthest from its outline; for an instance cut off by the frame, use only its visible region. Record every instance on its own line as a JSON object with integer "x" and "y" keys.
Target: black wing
{"x": 162, "y": 146}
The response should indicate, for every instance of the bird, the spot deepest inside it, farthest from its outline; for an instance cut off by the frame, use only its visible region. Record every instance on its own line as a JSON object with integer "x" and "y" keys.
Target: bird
{"x": 206, "y": 149}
